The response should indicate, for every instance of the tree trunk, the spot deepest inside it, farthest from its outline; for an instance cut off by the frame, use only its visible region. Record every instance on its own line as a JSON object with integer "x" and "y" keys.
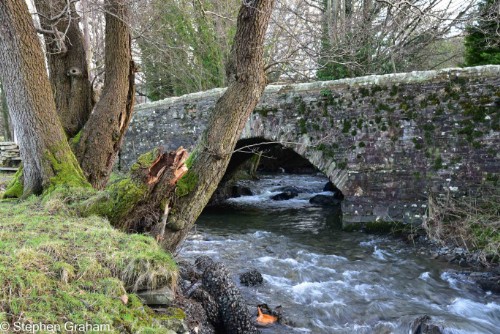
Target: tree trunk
{"x": 67, "y": 60}
{"x": 209, "y": 160}
{"x": 102, "y": 136}
{"x": 7, "y": 134}
{"x": 46, "y": 154}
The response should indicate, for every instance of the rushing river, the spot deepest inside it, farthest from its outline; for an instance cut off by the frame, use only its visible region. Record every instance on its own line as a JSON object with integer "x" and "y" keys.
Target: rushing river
{"x": 329, "y": 281}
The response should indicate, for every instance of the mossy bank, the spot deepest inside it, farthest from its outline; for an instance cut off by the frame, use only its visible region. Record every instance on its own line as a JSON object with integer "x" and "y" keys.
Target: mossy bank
{"x": 56, "y": 268}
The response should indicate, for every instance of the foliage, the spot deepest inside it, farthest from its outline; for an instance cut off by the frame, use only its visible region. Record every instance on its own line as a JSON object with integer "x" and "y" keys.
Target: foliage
{"x": 56, "y": 268}
{"x": 470, "y": 222}
{"x": 186, "y": 48}
{"x": 482, "y": 43}
{"x": 364, "y": 37}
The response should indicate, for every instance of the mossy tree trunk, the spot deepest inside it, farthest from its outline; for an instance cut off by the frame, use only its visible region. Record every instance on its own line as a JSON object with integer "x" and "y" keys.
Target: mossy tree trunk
{"x": 246, "y": 79}
{"x": 67, "y": 60}
{"x": 102, "y": 136}
{"x": 44, "y": 149}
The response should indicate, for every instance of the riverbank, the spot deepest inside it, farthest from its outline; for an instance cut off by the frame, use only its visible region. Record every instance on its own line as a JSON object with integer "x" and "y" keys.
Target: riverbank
{"x": 57, "y": 270}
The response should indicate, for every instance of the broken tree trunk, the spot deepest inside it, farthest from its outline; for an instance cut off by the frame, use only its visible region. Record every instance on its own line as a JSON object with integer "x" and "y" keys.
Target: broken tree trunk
{"x": 139, "y": 202}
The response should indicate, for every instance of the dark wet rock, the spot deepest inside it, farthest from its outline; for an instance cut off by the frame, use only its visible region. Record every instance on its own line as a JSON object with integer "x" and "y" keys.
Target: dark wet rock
{"x": 203, "y": 262}
{"x": 329, "y": 187}
{"x": 324, "y": 200}
{"x": 251, "y": 278}
{"x": 209, "y": 305}
{"x": 423, "y": 325}
{"x": 292, "y": 189}
{"x": 196, "y": 317}
{"x": 337, "y": 194}
{"x": 234, "y": 316}
{"x": 238, "y": 191}
{"x": 490, "y": 284}
{"x": 286, "y": 195}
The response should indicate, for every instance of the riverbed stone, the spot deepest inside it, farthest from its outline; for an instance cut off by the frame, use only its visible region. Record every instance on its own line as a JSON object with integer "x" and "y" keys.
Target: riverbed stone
{"x": 163, "y": 296}
{"x": 324, "y": 200}
{"x": 233, "y": 312}
{"x": 423, "y": 325}
{"x": 286, "y": 195}
{"x": 251, "y": 278}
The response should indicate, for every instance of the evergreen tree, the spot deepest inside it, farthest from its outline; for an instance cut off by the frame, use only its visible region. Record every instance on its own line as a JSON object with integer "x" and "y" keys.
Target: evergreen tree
{"x": 482, "y": 43}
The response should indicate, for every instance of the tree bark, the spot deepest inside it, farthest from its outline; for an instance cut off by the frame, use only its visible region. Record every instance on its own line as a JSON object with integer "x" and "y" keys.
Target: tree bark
{"x": 7, "y": 133}
{"x": 67, "y": 60}
{"x": 102, "y": 136}
{"x": 209, "y": 160}
{"x": 46, "y": 154}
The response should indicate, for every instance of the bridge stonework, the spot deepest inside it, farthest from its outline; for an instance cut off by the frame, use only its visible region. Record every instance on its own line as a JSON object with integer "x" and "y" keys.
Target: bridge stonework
{"x": 385, "y": 141}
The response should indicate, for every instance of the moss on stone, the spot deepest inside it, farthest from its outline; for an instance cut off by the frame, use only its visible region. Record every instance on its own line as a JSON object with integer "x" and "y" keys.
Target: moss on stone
{"x": 364, "y": 91}
{"x": 346, "y": 125}
{"x": 383, "y": 227}
{"x": 438, "y": 163}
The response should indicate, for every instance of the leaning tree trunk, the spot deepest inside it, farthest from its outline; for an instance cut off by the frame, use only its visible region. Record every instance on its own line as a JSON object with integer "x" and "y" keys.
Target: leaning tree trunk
{"x": 209, "y": 160}
{"x": 101, "y": 137}
{"x": 67, "y": 60}
{"x": 47, "y": 157}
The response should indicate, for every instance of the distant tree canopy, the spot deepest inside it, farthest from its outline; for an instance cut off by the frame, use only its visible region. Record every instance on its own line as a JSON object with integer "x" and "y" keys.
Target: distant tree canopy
{"x": 185, "y": 45}
{"x": 482, "y": 43}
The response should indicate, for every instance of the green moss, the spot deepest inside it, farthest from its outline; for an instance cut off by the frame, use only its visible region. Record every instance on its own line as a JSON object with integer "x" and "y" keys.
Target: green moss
{"x": 68, "y": 173}
{"x": 116, "y": 201}
{"x": 76, "y": 139}
{"x": 382, "y": 227}
{"x": 57, "y": 269}
{"x": 359, "y": 124}
{"x": 186, "y": 184}
{"x": 265, "y": 110}
{"x": 394, "y": 90}
{"x": 383, "y": 107}
{"x": 15, "y": 187}
{"x": 346, "y": 125}
{"x": 404, "y": 106}
{"x": 364, "y": 91}
{"x": 145, "y": 160}
{"x": 438, "y": 163}
{"x": 342, "y": 165}
{"x": 417, "y": 143}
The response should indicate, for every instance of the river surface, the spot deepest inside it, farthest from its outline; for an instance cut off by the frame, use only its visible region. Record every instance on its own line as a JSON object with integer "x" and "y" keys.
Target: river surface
{"x": 330, "y": 281}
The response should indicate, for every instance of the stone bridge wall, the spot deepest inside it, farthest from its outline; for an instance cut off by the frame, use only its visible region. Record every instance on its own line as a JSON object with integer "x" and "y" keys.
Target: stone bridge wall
{"x": 385, "y": 141}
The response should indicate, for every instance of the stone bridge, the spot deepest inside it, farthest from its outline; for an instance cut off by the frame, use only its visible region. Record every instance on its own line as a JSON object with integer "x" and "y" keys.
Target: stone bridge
{"x": 386, "y": 141}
